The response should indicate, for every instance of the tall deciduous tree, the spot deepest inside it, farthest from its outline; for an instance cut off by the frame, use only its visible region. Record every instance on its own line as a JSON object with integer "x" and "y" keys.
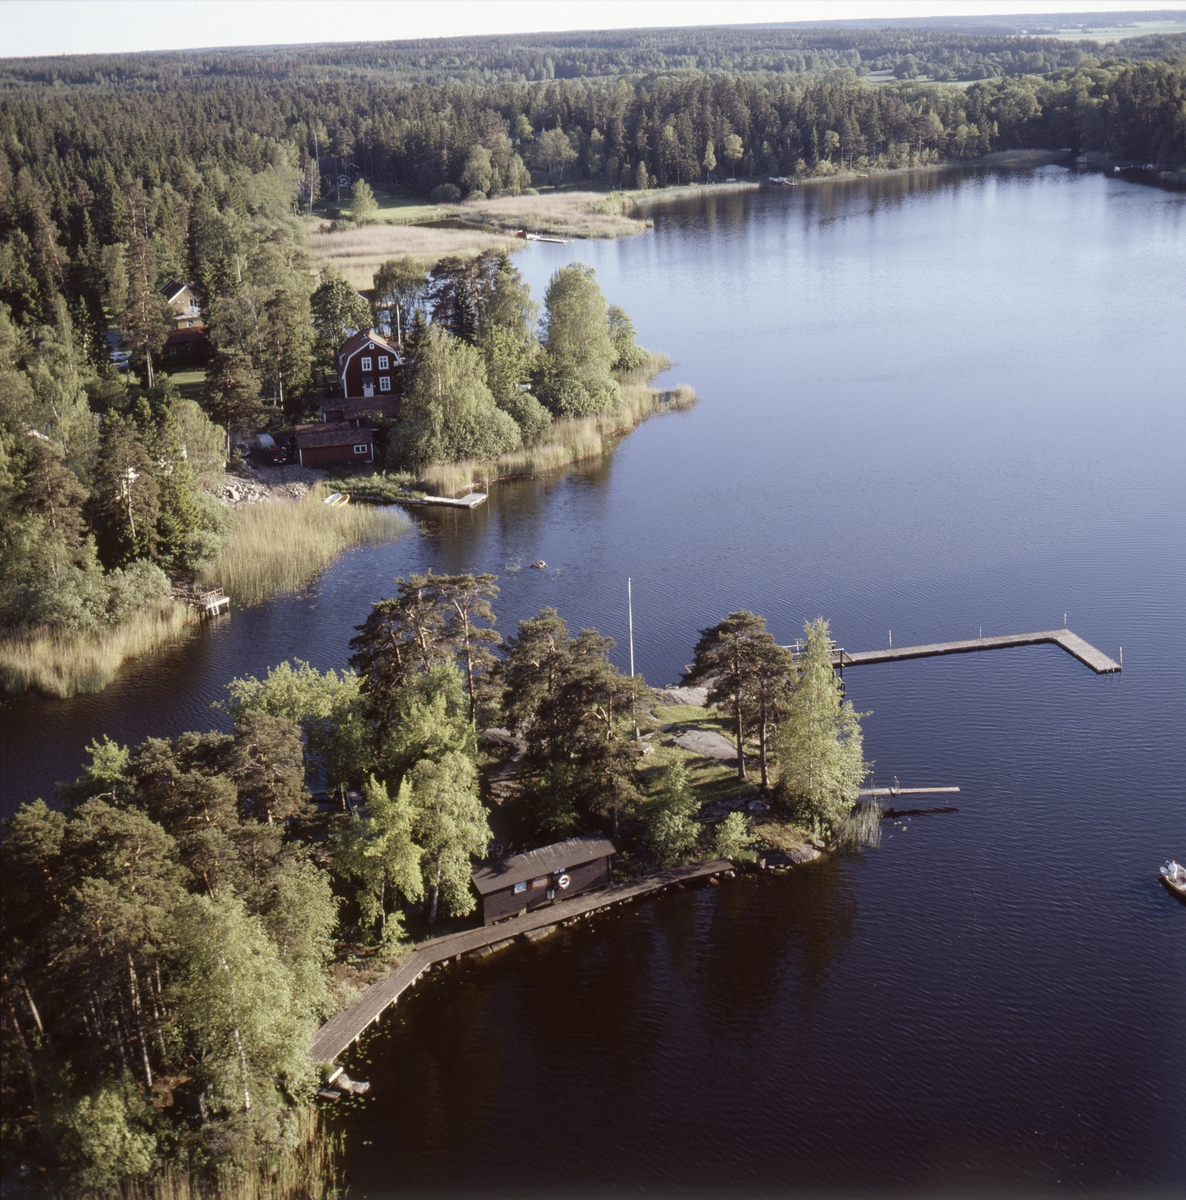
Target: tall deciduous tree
{"x": 399, "y": 284}
{"x": 338, "y": 311}
{"x": 364, "y": 208}
{"x": 237, "y": 1008}
{"x": 451, "y": 827}
{"x": 448, "y": 413}
{"x": 575, "y": 377}
{"x": 378, "y": 851}
{"x": 820, "y": 760}
{"x": 125, "y": 501}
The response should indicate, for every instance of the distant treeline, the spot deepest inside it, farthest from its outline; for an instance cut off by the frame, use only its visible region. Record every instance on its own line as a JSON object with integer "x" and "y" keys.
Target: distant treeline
{"x": 942, "y": 54}
{"x": 202, "y": 148}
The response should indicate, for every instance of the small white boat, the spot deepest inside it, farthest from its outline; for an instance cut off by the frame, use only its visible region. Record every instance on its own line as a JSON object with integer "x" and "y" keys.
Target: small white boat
{"x": 338, "y": 498}
{"x": 1173, "y": 875}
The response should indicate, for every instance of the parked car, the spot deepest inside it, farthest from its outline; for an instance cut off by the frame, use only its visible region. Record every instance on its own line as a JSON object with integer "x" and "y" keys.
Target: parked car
{"x": 276, "y": 455}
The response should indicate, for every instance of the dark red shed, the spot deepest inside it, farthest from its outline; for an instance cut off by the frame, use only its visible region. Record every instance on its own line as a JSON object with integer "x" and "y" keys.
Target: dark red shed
{"x": 526, "y": 881}
{"x": 334, "y": 442}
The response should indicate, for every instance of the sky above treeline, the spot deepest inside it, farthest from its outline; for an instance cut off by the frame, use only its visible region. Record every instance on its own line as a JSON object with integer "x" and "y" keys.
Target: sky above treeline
{"x": 47, "y": 27}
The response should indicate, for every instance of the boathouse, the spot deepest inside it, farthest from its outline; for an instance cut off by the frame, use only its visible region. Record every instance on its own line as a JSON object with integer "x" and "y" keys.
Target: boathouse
{"x": 526, "y": 881}
{"x": 331, "y": 442}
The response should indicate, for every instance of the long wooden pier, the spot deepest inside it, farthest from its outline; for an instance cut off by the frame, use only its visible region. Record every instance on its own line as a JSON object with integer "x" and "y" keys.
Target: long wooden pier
{"x": 341, "y": 1030}
{"x": 1072, "y": 643}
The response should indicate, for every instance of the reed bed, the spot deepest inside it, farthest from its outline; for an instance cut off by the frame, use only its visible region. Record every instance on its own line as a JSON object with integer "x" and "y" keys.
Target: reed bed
{"x": 574, "y": 214}
{"x": 65, "y": 664}
{"x": 359, "y": 253}
{"x": 280, "y": 545}
{"x": 564, "y": 443}
{"x": 312, "y": 1171}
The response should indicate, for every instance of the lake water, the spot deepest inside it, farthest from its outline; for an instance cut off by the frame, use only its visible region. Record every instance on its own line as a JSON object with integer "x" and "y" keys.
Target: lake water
{"x": 933, "y": 404}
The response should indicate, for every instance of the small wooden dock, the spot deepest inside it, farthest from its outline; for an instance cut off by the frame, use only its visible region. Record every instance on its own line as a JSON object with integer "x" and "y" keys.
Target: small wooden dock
{"x": 1072, "y": 643}
{"x": 208, "y": 601}
{"x": 472, "y": 500}
{"x": 342, "y": 1030}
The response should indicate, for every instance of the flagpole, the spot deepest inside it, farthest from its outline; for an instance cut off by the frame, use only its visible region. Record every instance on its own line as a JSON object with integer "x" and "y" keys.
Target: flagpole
{"x": 630, "y": 619}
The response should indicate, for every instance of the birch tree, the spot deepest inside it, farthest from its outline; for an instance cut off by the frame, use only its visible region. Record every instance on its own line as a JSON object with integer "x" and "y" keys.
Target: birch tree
{"x": 820, "y": 751}
{"x": 243, "y": 1027}
{"x": 450, "y": 826}
{"x": 378, "y": 851}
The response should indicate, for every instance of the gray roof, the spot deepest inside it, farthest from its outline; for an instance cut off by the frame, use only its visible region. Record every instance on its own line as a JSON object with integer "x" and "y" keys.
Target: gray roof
{"x": 492, "y": 877}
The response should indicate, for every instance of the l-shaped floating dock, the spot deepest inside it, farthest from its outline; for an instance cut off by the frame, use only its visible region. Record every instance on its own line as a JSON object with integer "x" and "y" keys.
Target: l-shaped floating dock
{"x": 1072, "y": 643}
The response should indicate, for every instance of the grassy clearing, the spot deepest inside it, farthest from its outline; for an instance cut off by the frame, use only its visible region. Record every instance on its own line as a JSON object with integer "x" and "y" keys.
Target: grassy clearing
{"x": 65, "y": 664}
{"x": 564, "y": 443}
{"x": 278, "y": 546}
{"x": 573, "y": 214}
{"x": 191, "y": 384}
{"x": 393, "y": 210}
{"x": 358, "y": 253}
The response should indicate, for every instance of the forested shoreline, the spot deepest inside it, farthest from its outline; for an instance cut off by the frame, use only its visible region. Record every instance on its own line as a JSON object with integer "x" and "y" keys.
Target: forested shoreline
{"x": 184, "y": 917}
{"x": 180, "y": 917}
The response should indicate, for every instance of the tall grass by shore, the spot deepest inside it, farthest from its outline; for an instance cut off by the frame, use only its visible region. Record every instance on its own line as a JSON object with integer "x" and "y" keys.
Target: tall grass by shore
{"x": 312, "y": 1171}
{"x": 64, "y": 664}
{"x": 566, "y": 441}
{"x": 279, "y": 546}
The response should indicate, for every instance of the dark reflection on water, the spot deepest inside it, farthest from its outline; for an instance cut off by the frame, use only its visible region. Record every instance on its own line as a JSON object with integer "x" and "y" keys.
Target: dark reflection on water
{"x": 932, "y": 404}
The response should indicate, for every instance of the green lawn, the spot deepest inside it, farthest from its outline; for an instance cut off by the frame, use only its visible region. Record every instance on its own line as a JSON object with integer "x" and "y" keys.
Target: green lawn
{"x": 191, "y": 384}
{"x": 393, "y": 210}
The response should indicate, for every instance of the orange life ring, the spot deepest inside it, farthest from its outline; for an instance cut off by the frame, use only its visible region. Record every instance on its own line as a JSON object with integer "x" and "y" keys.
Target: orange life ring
{"x": 563, "y": 881}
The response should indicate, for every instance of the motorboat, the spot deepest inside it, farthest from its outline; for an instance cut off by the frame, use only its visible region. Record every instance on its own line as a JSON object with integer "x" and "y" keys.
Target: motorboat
{"x": 1173, "y": 875}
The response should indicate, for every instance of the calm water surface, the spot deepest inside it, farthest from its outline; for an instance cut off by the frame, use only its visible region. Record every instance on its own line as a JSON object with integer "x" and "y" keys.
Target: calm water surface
{"x": 931, "y": 405}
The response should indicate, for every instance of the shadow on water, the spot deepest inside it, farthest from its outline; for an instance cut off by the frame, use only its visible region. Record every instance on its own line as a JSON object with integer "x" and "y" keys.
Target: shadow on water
{"x": 616, "y": 1007}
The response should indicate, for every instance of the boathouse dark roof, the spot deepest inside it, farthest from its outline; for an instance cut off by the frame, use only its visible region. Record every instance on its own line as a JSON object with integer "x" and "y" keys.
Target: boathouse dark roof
{"x": 544, "y": 861}
{"x": 331, "y": 433}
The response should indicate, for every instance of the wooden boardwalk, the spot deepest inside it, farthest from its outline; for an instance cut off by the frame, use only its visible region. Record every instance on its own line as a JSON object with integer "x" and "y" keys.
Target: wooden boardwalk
{"x": 345, "y": 1027}
{"x": 1072, "y": 643}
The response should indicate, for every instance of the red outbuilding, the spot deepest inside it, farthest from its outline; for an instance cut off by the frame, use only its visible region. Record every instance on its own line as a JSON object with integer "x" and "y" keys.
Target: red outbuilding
{"x": 331, "y": 442}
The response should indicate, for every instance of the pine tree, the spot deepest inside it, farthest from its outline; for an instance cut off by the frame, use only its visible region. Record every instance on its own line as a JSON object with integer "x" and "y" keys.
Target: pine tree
{"x": 145, "y": 320}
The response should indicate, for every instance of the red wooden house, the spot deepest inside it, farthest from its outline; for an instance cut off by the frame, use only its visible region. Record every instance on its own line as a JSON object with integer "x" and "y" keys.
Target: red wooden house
{"x": 369, "y": 366}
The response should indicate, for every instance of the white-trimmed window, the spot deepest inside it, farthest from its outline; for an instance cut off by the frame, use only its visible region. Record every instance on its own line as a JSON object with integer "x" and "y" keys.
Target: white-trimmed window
{"x": 521, "y": 887}
{"x": 366, "y": 364}
{"x": 384, "y": 382}
{"x": 362, "y": 449}
{"x": 382, "y": 362}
